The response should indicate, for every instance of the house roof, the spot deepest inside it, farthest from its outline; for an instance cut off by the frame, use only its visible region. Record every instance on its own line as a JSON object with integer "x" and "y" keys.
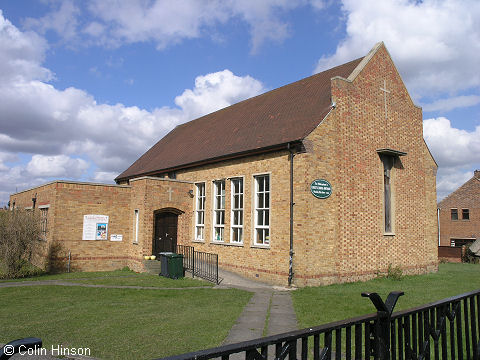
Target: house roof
{"x": 467, "y": 195}
{"x": 266, "y": 121}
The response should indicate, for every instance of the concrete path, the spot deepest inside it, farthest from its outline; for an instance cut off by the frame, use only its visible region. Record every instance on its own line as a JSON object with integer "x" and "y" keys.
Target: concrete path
{"x": 269, "y": 312}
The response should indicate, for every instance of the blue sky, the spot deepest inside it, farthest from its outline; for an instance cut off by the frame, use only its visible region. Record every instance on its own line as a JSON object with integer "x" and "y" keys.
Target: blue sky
{"x": 88, "y": 86}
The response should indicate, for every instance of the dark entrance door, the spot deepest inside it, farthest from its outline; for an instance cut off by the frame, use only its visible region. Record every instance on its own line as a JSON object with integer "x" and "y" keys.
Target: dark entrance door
{"x": 165, "y": 238}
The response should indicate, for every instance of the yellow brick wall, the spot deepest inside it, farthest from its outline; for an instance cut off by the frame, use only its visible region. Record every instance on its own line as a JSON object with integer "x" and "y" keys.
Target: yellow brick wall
{"x": 344, "y": 234}
{"x": 261, "y": 263}
{"x": 69, "y": 202}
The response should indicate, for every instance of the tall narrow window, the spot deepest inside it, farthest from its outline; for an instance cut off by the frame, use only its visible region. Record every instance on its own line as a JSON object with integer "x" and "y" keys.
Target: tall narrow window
{"x": 200, "y": 212}
{"x": 135, "y": 239}
{"x": 219, "y": 210}
{"x": 387, "y": 191}
{"x": 237, "y": 211}
{"x": 262, "y": 210}
{"x": 465, "y": 214}
{"x": 43, "y": 221}
{"x": 454, "y": 214}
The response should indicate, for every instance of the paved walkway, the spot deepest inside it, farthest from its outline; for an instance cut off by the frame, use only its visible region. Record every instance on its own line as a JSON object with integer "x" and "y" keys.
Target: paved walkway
{"x": 269, "y": 312}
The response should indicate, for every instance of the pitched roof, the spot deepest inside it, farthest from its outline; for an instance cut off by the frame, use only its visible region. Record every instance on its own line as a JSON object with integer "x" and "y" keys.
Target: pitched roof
{"x": 467, "y": 195}
{"x": 277, "y": 117}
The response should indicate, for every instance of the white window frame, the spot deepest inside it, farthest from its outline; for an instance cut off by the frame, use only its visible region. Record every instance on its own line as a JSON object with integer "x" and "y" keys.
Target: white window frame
{"x": 199, "y": 199}
{"x": 265, "y": 227}
{"x": 241, "y": 194}
{"x": 136, "y": 213}
{"x": 218, "y": 226}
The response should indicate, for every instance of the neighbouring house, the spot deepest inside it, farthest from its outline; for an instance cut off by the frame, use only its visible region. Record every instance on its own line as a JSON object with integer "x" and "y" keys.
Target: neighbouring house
{"x": 459, "y": 219}
{"x": 324, "y": 180}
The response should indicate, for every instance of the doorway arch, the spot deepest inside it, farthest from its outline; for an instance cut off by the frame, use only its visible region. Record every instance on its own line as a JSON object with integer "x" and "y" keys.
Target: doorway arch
{"x": 165, "y": 230}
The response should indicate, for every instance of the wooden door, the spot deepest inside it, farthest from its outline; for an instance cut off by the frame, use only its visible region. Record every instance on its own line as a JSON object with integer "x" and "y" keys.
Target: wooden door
{"x": 165, "y": 238}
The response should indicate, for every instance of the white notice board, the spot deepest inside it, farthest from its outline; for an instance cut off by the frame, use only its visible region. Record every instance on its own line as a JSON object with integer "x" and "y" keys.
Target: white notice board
{"x": 95, "y": 227}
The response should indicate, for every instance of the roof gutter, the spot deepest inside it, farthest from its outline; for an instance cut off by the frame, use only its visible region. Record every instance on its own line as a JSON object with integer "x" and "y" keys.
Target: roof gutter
{"x": 284, "y": 146}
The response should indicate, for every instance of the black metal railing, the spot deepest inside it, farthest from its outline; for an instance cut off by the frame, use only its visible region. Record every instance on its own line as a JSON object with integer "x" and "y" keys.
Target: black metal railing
{"x": 201, "y": 264}
{"x": 205, "y": 266}
{"x": 188, "y": 259}
{"x": 447, "y": 329}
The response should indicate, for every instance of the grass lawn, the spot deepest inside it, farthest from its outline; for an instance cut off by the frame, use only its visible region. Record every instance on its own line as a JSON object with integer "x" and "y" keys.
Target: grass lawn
{"x": 119, "y": 277}
{"x": 321, "y": 305}
{"x": 121, "y": 323}
{"x": 147, "y": 281}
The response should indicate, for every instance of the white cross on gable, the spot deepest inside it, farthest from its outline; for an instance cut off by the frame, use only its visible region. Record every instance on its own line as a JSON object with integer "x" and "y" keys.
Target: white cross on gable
{"x": 169, "y": 191}
{"x": 385, "y": 91}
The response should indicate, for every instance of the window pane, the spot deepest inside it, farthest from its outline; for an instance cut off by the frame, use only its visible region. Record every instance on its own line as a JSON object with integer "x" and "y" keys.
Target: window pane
{"x": 260, "y": 217}
{"x": 267, "y": 183}
{"x": 465, "y": 214}
{"x": 240, "y": 217}
{"x": 454, "y": 214}
{"x": 260, "y": 184}
{"x": 259, "y": 236}
{"x": 240, "y": 205}
{"x": 267, "y": 236}
{"x": 260, "y": 203}
{"x": 199, "y": 233}
{"x": 267, "y": 220}
{"x": 267, "y": 200}
{"x": 218, "y": 234}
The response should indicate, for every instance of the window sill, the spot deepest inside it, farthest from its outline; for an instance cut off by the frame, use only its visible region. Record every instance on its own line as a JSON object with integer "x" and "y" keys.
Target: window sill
{"x": 216, "y": 242}
{"x": 389, "y": 234}
{"x": 199, "y": 241}
{"x": 229, "y": 244}
{"x": 260, "y": 246}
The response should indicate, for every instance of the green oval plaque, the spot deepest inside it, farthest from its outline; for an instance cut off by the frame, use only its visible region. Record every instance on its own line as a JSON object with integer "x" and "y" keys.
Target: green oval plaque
{"x": 321, "y": 188}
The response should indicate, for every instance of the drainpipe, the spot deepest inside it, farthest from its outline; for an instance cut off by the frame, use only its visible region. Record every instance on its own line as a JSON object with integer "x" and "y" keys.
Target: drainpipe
{"x": 290, "y": 269}
{"x": 438, "y": 224}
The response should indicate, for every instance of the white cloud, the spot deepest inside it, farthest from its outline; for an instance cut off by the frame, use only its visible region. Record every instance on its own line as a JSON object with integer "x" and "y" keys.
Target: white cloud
{"x": 451, "y": 146}
{"x": 456, "y": 152}
{"x": 263, "y": 18}
{"x": 21, "y": 54}
{"x": 104, "y": 177}
{"x": 449, "y": 180}
{"x": 452, "y": 103}
{"x": 434, "y": 43}
{"x": 62, "y": 20}
{"x": 67, "y": 133}
{"x": 164, "y": 22}
{"x": 216, "y": 91}
{"x": 59, "y": 166}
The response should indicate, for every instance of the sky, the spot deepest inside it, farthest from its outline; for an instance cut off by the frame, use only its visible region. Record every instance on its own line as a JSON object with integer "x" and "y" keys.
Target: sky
{"x": 88, "y": 86}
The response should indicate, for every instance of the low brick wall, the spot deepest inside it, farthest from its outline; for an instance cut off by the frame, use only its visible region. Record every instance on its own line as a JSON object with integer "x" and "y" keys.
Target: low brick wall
{"x": 450, "y": 253}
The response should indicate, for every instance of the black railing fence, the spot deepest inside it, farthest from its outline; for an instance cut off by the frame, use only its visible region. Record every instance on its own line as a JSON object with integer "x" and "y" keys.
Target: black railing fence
{"x": 188, "y": 259}
{"x": 201, "y": 264}
{"x": 447, "y": 329}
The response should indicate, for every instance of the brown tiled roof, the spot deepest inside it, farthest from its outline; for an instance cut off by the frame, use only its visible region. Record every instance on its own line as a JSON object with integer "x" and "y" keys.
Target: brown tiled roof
{"x": 280, "y": 116}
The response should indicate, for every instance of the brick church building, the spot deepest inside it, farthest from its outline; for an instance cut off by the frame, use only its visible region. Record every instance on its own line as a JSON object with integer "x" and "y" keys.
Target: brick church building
{"x": 324, "y": 180}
